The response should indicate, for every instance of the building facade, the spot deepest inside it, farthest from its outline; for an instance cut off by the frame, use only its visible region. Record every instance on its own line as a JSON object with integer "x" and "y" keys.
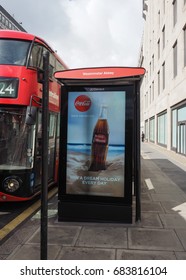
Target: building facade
{"x": 8, "y": 22}
{"x": 163, "y": 89}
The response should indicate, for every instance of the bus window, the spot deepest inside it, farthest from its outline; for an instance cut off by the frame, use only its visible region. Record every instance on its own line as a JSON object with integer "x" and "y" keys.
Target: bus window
{"x": 58, "y": 126}
{"x": 39, "y": 134}
{"x": 13, "y": 52}
{"x": 52, "y": 123}
{"x": 16, "y": 139}
{"x": 36, "y": 57}
{"x": 51, "y": 71}
{"x": 59, "y": 66}
{"x": 52, "y": 61}
{"x": 52, "y": 145}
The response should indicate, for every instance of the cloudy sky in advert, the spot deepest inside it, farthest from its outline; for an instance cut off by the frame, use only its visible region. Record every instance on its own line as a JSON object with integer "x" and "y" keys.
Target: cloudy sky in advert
{"x": 85, "y": 33}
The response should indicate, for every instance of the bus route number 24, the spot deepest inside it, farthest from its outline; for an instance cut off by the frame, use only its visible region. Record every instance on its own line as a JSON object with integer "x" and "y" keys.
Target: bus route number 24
{"x": 7, "y": 89}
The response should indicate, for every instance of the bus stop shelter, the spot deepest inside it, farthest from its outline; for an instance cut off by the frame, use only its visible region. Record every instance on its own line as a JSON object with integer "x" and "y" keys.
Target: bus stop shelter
{"x": 99, "y": 168}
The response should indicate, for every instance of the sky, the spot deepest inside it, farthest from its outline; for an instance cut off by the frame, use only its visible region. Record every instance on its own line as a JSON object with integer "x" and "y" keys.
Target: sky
{"x": 85, "y": 33}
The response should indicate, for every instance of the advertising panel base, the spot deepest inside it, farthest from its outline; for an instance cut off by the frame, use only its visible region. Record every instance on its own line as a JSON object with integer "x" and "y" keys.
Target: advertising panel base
{"x": 94, "y": 212}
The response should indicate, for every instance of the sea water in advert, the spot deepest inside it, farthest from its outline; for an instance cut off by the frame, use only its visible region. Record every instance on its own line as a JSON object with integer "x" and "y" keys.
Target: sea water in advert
{"x": 96, "y": 143}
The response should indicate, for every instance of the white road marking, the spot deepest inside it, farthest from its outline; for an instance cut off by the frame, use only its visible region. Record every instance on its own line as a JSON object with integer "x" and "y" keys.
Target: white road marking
{"x": 145, "y": 156}
{"x": 149, "y": 184}
{"x": 4, "y": 213}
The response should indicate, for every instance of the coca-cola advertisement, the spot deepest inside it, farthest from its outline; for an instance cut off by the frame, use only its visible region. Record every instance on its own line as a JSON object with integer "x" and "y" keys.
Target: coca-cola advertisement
{"x": 96, "y": 142}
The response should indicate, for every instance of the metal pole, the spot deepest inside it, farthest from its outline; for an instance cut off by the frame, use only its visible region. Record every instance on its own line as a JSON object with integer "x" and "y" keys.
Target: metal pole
{"x": 44, "y": 179}
{"x": 137, "y": 153}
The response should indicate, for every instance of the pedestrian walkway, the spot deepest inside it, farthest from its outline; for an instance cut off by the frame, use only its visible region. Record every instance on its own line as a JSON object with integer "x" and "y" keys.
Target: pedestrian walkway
{"x": 161, "y": 233}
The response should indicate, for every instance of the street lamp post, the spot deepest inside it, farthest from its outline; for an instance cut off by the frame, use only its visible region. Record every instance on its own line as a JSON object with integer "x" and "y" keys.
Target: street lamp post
{"x": 44, "y": 179}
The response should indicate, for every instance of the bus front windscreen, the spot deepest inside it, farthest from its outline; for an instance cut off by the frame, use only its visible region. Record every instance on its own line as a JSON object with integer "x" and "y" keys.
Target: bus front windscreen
{"x": 13, "y": 52}
{"x": 16, "y": 139}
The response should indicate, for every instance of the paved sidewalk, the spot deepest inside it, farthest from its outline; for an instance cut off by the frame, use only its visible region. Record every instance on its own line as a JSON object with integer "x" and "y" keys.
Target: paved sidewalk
{"x": 161, "y": 234}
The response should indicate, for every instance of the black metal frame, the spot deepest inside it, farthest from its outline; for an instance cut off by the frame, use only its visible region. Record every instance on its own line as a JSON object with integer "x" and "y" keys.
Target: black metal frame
{"x": 97, "y": 208}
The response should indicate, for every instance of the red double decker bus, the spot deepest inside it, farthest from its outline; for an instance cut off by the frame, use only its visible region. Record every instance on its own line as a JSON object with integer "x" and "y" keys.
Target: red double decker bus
{"x": 21, "y": 87}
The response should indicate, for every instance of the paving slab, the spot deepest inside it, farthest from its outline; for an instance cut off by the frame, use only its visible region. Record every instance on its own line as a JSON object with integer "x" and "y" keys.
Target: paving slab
{"x": 153, "y": 172}
{"x": 150, "y": 220}
{"x": 145, "y": 197}
{"x": 152, "y": 206}
{"x": 52, "y": 216}
{"x": 8, "y": 247}
{"x": 173, "y": 220}
{"x": 3, "y": 257}
{"x": 177, "y": 197}
{"x": 110, "y": 237}
{"x": 174, "y": 173}
{"x": 182, "y": 236}
{"x": 174, "y": 207}
{"x": 180, "y": 255}
{"x": 153, "y": 239}
{"x": 32, "y": 252}
{"x": 144, "y": 255}
{"x": 61, "y": 235}
{"x": 20, "y": 235}
{"x": 167, "y": 187}
{"x": 79, "y": 253}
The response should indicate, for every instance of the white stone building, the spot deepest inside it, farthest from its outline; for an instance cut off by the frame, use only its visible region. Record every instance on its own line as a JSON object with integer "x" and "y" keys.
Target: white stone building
{"x": 163, "y": 89}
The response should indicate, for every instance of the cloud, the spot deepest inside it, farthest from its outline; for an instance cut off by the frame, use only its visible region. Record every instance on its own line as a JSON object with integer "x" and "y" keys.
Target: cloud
{"x": 85, "y": 32}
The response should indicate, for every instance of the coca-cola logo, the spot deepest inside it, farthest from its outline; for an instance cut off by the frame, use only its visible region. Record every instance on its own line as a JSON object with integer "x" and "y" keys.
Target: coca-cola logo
{"x": 100, "y": 138}
{"x": 82, "y": 103}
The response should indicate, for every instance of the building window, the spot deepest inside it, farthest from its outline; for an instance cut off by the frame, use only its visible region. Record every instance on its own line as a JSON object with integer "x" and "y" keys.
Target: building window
{"x": 146, "y": 130}
{"x": 163, "y": 37}
{"x": 152, "y": 129}
{"x": 178, "y": 139}
{"x": 182, "y": 130}
{"x": 163, "y": 75}
{"x": 175, "y": 60}
{"x": 6, "y": 22}
{"x": 184, "y": 32}
{"x": 174, "y": 3}
{"x": 163, "y": 6}
{"x": 162, "y": 129}
{"x": 147, "y": 76}
{"x": 159, "y": 17}
{"x": 158, "y": 48}
{"x": 174, "y": 129}
{"x": 146, "y": 100}
{"x": 182, "y": 114}
{"x": 153, "y": 91}
{"x": 159, "y": 83}
{"x": 153, "y": 62}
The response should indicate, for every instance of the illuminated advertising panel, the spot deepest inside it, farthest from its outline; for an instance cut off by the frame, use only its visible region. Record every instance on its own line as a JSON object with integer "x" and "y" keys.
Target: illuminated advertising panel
{"x": 96, "y": 142}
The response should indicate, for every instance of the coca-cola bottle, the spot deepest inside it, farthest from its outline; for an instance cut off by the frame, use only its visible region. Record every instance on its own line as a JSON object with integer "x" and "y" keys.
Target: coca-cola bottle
{"x": 100, "y": 141}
